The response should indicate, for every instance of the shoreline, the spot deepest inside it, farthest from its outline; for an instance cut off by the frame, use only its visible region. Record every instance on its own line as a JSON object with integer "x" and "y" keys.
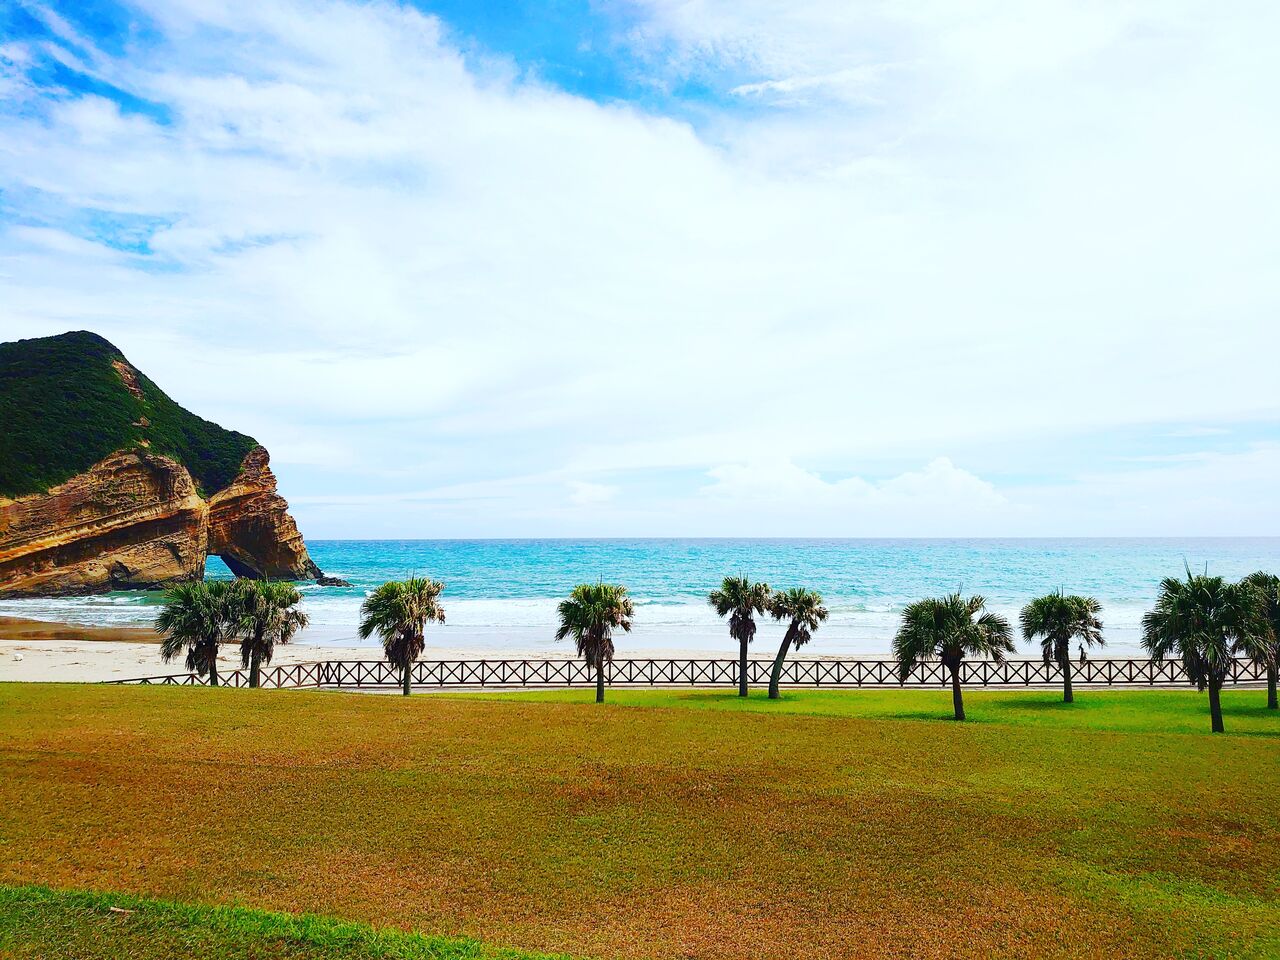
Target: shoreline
{"x": 58, "y": 651}
{"x": 23, "y": 629}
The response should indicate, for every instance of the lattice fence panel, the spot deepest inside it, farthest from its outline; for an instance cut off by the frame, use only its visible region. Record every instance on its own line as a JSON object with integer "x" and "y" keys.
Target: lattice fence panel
{"x": 830, "y": 672}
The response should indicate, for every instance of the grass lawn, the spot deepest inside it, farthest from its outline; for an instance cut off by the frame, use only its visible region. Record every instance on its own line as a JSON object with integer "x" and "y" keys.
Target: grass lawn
{"x": 39, "y": 923}
{"x": 1138, "y": 711}
{"x": 668, "y": 823}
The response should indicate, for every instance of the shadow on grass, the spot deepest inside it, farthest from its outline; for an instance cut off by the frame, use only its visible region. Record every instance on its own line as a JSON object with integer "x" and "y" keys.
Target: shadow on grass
{"x": 1044, "y": 704}
{"x": 1260, "y": 712}
{"x": 944, "y": 717}
{"x": 703, "y": 696}
{"x": 943, "y": 714}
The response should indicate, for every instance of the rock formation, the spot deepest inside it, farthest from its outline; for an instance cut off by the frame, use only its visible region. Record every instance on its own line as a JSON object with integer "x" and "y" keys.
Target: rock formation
{"x": 251, "y": 530}
{"x": 139, "y": 517}
{"x": 135, "y": 521}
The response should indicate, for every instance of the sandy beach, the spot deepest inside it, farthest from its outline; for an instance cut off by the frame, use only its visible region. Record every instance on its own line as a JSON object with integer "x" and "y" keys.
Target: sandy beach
{"x": 39, "y": 651}
{"x": 33, "y": 650}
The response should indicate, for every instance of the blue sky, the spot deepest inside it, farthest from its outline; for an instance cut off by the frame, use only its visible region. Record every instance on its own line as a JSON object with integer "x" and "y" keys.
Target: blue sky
{"x": 578, "y": 47}
{"x": 664, "y": 267}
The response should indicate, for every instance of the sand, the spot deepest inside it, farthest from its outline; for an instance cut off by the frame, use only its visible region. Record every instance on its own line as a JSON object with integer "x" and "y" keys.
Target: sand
{"x": 33, "y": 650}
{"x": 19, "y": 628}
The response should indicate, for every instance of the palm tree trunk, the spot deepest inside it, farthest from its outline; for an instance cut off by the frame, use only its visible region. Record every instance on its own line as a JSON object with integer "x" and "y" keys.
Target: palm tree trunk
{"x": 1215, "y": 706}
{"x": 957, "y": 697}
{"x": 255, "y": 668}
{"x": 1067, "y": 696}
{"x": 600, "y": 680}
{"x": 407, "y": 677}
{"x": 213, "y": 669}
{"x": 1271, "y": 687}
{"x": 742, "y": 668}
{"x": 776, "y": 673}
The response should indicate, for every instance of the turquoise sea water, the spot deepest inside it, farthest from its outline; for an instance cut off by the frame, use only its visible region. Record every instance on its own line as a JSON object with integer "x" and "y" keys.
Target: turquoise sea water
{"x": 500, "y": 595}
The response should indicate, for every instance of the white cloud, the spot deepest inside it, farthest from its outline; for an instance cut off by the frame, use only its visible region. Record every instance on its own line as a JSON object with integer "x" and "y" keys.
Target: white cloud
{"x": 408, "y": 271}
{"x": 937, "y": 500}
{"x": 1205, "y": 494}
{"x": 781, "y": 480}
{"x": 584, "y": 494}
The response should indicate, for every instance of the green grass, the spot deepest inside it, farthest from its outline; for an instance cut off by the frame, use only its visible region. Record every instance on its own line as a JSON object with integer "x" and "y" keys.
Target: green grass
{"x": 682, "y": 824}
{"x": 64, "y": 407}
{"x": 36, "y": 922}
{"x": 1160, "y": 711}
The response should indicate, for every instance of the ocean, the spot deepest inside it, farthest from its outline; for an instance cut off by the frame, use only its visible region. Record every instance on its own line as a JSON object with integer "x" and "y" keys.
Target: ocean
{"x": 500, "y": 595}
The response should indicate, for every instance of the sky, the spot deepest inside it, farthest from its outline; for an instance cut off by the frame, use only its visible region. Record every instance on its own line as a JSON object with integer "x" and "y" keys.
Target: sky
{"x": 676, "y": 267}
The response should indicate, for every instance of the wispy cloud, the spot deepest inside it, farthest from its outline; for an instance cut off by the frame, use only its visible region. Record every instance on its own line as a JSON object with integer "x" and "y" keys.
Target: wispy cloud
{"x": 857, "y": 84}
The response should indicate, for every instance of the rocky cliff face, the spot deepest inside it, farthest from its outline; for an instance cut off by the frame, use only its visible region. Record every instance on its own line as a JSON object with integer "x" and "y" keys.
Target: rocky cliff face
{"x": 132, "y": 520}
{"x": 107, "y": 484}
{"x": 135, "y": 521}
{"x": 251, "y": 530}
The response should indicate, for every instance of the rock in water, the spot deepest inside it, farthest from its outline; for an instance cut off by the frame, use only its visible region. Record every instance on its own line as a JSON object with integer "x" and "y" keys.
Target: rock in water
{"x": 333, "y": 582}
{"x": 108, "y": 484}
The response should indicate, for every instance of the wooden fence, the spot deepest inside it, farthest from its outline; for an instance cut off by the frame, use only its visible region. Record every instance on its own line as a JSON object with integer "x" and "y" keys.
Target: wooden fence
{"x": 374, "y": 674}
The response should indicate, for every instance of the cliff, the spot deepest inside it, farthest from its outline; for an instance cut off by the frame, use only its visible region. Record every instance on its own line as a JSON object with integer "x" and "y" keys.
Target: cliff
{"x": 108, "y": 484}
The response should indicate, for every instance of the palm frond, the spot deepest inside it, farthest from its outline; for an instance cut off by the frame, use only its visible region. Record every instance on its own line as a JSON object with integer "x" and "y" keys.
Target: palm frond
{"x": 266, "y": 613}
{"x": 1205, "y": 622}
{"x": 740, "y": 600}
{"x": 1266, "y": 590}
{"x": 398, "y": 612}
{"x": 195, "y": 619}
{"x": 1057, "y": 620}
{"x": 803, "y": 608}
{"x": 590, "y": 615}
{"x": 949, "y": 629}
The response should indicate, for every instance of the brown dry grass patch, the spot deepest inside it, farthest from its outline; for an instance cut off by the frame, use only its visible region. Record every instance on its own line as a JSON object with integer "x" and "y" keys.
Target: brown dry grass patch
{"x": 649, "y": 832}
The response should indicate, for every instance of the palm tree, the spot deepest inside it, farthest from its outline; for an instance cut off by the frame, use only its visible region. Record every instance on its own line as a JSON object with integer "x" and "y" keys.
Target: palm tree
{"x": 398, "y": 612}
{"x": 805, "y": 610}
{"x": 267, "y": 617}
{"x": 950, "y": 629}
{"x": 1204, "y": 621}
{"x": 1267, "y": 589}
{"x": 590, "y": 615}
{"x": 196, "y": 618}
{"x": 1057, "y": 620}
{"x": 740, "y": 600}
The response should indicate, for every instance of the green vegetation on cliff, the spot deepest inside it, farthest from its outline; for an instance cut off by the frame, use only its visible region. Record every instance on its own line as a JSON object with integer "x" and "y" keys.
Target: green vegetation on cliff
{"x": 65, "y": 404}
